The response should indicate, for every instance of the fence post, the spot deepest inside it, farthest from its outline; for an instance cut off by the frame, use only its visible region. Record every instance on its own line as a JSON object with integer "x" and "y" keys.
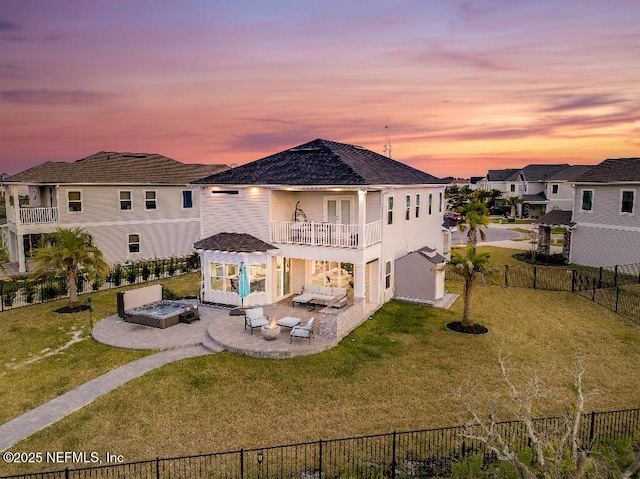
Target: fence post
{"x": 617, "y": 297}
{"x": 506, "y": 275}
{"x": 591, "y": 427}
{"x": 393, "y": 457}
{"x": 615, "y": 276}
{"x": 600, "y": 278}
{"x": 535, "y": 276}
{"x": 573, "y": 280}
{"x": 241, "y": 463}
{"x": 320, "y": 458}
{"x": 66, "y": 473}
{"x": 1, "y": 297}
{"x": 157, "y": 467}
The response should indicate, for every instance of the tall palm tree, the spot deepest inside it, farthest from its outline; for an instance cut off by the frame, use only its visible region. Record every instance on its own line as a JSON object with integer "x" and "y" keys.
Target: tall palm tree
{"x": 513, "y": 201}
{"x": 67, "y": 252}
{"x": 475, "y": 216}
{"x": 473, "y": 267}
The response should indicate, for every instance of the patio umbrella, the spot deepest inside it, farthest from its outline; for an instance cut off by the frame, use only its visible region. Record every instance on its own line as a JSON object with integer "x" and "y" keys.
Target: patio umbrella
{"x": 243, "y": 287}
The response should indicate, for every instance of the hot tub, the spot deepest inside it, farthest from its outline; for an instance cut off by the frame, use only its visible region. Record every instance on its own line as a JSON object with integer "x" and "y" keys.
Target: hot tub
{"x": 162, "y": 314}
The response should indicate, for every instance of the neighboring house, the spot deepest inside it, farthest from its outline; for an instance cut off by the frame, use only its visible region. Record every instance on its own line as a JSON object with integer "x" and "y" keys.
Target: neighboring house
{"x": 559, "y": 187}
{"x": 135, "y": 205}
{"x": 606, "y": 219}
{"x": 322, "y": 213}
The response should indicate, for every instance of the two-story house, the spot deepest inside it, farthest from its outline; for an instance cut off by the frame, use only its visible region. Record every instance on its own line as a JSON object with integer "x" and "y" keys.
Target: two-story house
{"x": 559, "y": 187}
{"x": 606, "y": 220}
{"x": 322, "y": 213}
{"x": 135, "y": 205}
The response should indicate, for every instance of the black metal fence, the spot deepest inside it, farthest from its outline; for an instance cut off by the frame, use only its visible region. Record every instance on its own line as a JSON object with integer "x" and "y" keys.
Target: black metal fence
{"x": 424, "y": 453}
{"x": 615, "y": 288}
{"x": 16, "y": 294}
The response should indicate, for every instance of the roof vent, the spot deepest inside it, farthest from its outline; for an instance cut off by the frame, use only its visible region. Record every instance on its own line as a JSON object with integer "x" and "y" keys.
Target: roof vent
{"x": 305, "y": 149}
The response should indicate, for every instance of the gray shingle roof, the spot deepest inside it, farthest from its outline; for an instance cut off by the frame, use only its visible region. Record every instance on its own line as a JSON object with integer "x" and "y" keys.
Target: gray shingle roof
{"x": 233, "y": 242}
{"x": 614, "y": 170}
{"x": 555, "y": 217}
{"x": 538, "y": 172}
{"x": 569, "y": 174}
{"x": 323, "y": 162}
{"x": 117, "y": 168}
{"x": 509, "y": 174}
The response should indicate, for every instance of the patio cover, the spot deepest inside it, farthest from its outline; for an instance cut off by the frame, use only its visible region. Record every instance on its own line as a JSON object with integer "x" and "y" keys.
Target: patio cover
{"x": 234, "y": 243}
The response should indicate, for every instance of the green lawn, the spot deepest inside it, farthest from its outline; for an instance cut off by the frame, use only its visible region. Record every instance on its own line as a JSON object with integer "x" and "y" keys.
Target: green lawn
{"x": 399, "y": 371}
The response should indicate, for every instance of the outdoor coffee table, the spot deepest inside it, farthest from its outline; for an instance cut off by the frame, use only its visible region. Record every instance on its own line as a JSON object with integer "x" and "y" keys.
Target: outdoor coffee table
{"x": 288, "y": 322}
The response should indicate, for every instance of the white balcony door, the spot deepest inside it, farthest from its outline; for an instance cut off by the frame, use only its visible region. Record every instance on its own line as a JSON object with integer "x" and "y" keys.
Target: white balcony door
{"x": 339, "y": 211}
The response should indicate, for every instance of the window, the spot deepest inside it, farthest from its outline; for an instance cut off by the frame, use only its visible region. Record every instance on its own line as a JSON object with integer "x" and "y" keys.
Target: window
{"x": 187, "y": 199}
{"x": 430, "y": 202}
{"x": 333, "y": 274}
{"x": 134, "y": 243}
{"x": 257, "y": 277}
{"x": 390, "y": 210}
{"x": 417, "y": 206}
{"x": 125, "y": 200}
{"x": 407, "y": 213}
{"x": 387, "y": 275}
{"x": 587, "y": 200}
{"x": 75, "y": 201}
{"x": 440, "y": 203}
{"x": 554, "y": 189}
{"x": 513, "y": 188}
{"x": 150, "y": 200}
{"x": 627, "y": 200}
{"x": 224, "y": 277}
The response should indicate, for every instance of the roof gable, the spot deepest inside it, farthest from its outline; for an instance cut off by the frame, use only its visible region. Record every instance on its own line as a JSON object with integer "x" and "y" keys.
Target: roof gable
{"x": 509, "y": 174}
{"x": 542, "y": 172}
{"x": 117, "y": 168}
{"x": 323, "y": 162}
{"x": 613, "y": 170}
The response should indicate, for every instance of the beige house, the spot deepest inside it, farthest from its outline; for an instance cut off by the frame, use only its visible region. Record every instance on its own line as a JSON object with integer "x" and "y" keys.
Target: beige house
{"x": 135, "y": 205}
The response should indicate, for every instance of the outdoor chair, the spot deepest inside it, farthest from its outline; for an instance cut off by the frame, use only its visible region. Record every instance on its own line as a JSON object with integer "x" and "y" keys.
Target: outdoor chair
{"x": 255, "y": 318}
{"x": 305, "y": 331}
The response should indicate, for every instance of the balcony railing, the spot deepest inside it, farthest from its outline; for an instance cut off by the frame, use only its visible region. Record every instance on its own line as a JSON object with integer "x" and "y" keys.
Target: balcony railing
{"x": 30, "y": 216}
{"x": 324, "y": 234}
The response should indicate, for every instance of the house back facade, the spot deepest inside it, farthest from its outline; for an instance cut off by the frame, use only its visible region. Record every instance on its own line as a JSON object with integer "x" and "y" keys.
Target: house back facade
{"x": 135, "y": 205}
{"x": 606, "y": 221}
{"x": 322, "y": 213}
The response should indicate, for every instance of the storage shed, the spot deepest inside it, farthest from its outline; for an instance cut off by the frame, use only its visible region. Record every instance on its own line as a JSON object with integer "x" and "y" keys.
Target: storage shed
{"x": 419, "y": 276}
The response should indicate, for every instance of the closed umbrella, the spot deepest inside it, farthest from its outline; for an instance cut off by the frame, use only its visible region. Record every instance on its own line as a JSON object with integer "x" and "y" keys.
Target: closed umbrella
{"x": 243, "y": 287}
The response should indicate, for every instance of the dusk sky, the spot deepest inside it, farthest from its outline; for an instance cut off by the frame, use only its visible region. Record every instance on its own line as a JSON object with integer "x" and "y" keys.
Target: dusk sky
{"x": 464, "y": 86}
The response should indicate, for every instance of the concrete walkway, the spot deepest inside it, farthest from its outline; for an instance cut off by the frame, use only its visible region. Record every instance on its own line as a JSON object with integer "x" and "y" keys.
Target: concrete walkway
{"x": 54, "y": 410}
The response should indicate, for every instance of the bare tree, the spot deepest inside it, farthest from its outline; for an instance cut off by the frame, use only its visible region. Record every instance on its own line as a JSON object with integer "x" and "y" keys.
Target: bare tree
{"x": 551, "y": 448}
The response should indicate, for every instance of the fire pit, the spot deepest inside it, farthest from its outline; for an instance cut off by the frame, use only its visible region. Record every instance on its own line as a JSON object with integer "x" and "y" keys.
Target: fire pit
{"x": 270, "y": 331}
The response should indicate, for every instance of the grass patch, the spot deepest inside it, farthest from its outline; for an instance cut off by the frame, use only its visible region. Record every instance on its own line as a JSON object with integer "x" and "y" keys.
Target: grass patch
{"x": 398, "y": 371}
{"x": 43, "y": 354}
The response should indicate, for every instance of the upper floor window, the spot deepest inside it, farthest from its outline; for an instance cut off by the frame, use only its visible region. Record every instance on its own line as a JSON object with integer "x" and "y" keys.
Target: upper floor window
{"x": 512, "y": 188}
{"x": 417, "y": 206}
{"x": 554, "y": 189}
{"x": 440, "y": 203}
{"x": 407, "y": 213}
{"x": 430, "y": 202}
{"x": 187, "y": 199}
{"x": 75, "y": 201}
{"x": 125, "y": 200}
{"x": 150, "y": 200}
{"x": 134, "y": 243}
{"x": 627, "y": 198}
{"x": 587, "y": 200}
{"x": 390, "y": 210}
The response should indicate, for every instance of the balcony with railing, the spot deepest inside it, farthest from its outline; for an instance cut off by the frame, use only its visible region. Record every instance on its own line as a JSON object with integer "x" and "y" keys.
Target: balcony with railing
{"x": 325, "y": 234}
{"x": 32, "y": 216}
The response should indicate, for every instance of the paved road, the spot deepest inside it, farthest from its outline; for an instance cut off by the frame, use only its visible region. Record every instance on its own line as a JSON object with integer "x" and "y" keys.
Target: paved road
{"x": 496, "y": 232}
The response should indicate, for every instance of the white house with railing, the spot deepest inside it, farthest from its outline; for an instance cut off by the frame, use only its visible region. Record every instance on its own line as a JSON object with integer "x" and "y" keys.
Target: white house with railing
{"x": 135, "y": 205}
{"x": 319, "y": 214}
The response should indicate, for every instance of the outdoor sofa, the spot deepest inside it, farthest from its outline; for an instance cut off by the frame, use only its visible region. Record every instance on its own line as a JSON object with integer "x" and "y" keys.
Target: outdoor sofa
{"x": 322, "y": 295}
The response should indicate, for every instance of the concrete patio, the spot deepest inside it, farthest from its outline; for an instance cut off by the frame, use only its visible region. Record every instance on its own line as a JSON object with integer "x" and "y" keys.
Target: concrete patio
{"x": 217, "y": 330}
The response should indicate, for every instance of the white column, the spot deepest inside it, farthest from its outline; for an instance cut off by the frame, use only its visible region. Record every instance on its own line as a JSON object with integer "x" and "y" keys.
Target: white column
{"x": 22, "y": 266}
{"x": 362, "y": 219}
{"x": 358, "y": 286}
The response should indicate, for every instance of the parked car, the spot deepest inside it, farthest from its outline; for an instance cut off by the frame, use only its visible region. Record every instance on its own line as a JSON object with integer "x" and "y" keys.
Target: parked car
{"x": 502, "y": 210}
{"x": 452, "y": 215}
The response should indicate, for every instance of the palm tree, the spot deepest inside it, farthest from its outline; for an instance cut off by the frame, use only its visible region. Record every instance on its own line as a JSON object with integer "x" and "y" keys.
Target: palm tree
{"x": 473, "y": 267}
{"x": 67, "y": 252}
{"x": 474, "y": 217}
{"x": 494, "y": 194}
{"x": 513, "y": 201}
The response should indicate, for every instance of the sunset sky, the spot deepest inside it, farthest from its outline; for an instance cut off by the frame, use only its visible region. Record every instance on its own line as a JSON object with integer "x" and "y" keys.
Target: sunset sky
{"x": 465, "y": 86}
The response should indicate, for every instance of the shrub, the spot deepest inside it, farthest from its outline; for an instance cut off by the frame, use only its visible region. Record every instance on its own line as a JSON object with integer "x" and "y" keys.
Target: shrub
{"x": 29, "y": 292}
{"x": 132, "y": 273}
{"x": 532, "y": 257}
{"x": 8, "y": 296}
{"x": 146, "y": 271}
